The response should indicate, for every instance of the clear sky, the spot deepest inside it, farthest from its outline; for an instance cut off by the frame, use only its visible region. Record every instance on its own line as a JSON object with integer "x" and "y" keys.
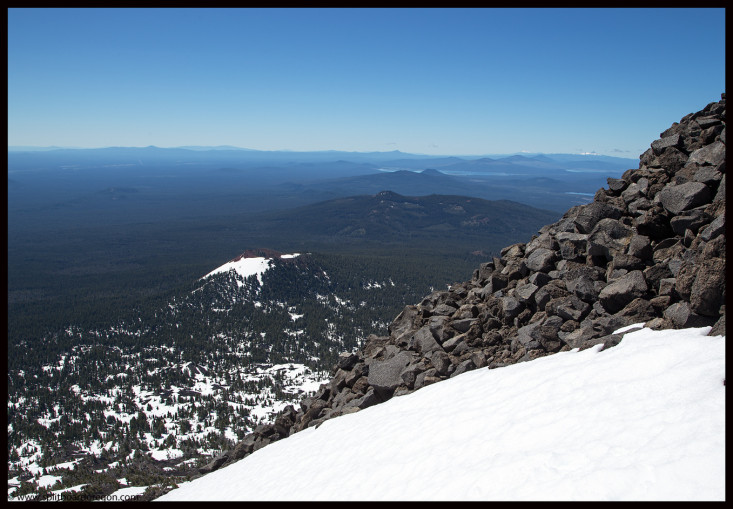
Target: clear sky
{"x": 429, "y": 81}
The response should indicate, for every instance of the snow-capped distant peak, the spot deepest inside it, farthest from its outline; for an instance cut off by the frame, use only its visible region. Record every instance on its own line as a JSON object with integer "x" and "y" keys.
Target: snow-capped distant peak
{"x": 247, "y": 264}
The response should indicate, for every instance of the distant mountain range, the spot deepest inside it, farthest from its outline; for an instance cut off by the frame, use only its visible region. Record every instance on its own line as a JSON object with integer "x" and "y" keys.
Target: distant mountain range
{"x": 402, "y": 160}
{"x": 217, "y": 147}
{"x": 32, "y": 148}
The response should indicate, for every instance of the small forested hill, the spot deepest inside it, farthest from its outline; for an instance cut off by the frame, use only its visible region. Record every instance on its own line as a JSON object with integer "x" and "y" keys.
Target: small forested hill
{"x": 391, "y": 217}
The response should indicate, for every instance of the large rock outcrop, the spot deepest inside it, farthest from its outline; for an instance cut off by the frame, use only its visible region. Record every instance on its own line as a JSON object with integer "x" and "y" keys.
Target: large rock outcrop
{"x": 650, "y": 248}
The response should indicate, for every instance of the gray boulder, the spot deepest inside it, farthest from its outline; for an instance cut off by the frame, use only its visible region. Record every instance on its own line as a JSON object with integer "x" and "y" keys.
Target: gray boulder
{"x": 243, "y": 448}
{"x": 495, "y": 282}
{"x": 453, "y": 342}
{"x": 314, "y": 411}
{"x": 633, "y": 192}
{"x": 540, "y": 334}
{"x": 608, "y": 341}
{"x": 444, "y": 309}
{"x": 540, "y": 260}
{"x": 580, "y": 336}
{"x": 386, "y": 376}
{"x": 684, "y": 279}
{"x": 511, "y": 307}
{"x": 640, "y": 246}
{"x": 214, "y": 464}
{"x": 616, "y": 185}
{"x": 426, "y": 378}
{"x": 638, "y": 206}
{"x": 653, "y": 224}
{"x": 713, "y": 154}
{"x": 463, "y": 325}
{"x": 549, "y": 292}
{"x": 515, "y": 269}
{"x": 671, "y": 159}
{"x": 720, "y": 194}
{"x": 719, "y": 327}
{"x": 524, "y": 292}
{"x": 583, "y": 288}
{"x": 539, "y": 279}
{"x": 682, "y": 317}
{"x": 513, "y": 251}
{"x": 367, "y": 400}
{"x": 527, "y": 337}
{"x": 626, "y": 261}
{"x": 677, "y": 198}
{"x": 608, "y": 238}
{"x": 440, "y": 361}
{"x": 708, "y": 175}
{"x": 717, "y": 227}
{"x": 666, "y": 286}
{"x": 691, "y": 222}
{"x": 616, "y": 295}
{"x": 658, "y": 146}
{"x": 464, "y": 366}
{"x": 572, "y": 245}
{"x": 568, "y": 308}
{"x": 707, "y": 121}
{"x": 594, "y": 212}
{"x": 708, "y": 290}
{"x": 437, "y": 325}
{"x": 409, "y": 374}
{"x": 347, "y": 361}
{"x": 545, "y": 241}
{"x": 359, "y": 370}
{"x": 423, "y": 341}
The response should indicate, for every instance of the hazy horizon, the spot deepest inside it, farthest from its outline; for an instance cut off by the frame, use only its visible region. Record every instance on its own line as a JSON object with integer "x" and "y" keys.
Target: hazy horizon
{"x": 37, "y": 148}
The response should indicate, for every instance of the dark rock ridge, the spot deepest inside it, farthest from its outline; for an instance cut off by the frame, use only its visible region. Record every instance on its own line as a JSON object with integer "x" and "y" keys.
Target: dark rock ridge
{"x": 650, "y": 248}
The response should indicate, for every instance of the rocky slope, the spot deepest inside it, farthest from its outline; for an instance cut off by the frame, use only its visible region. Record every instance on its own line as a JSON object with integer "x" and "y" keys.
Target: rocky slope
{"x": 649, "y": 249}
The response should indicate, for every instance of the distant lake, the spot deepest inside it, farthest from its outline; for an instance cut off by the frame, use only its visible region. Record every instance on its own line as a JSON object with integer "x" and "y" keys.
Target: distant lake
{"x": 463, "y": 173}
{"x": 482, "y": 173}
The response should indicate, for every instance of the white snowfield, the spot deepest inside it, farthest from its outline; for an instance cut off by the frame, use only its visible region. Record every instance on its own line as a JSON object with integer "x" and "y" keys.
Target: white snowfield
{"x": 246, "y": 267}
{"x": 644, "y": 420}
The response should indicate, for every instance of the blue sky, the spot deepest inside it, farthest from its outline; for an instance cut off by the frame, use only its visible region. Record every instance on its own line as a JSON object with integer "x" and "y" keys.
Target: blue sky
{"x": 429, "y": 81}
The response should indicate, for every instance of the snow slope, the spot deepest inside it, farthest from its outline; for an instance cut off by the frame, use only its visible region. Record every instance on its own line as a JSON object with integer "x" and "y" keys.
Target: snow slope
{"x": 245, "y": 267}
{"x": 644, "y": 420}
